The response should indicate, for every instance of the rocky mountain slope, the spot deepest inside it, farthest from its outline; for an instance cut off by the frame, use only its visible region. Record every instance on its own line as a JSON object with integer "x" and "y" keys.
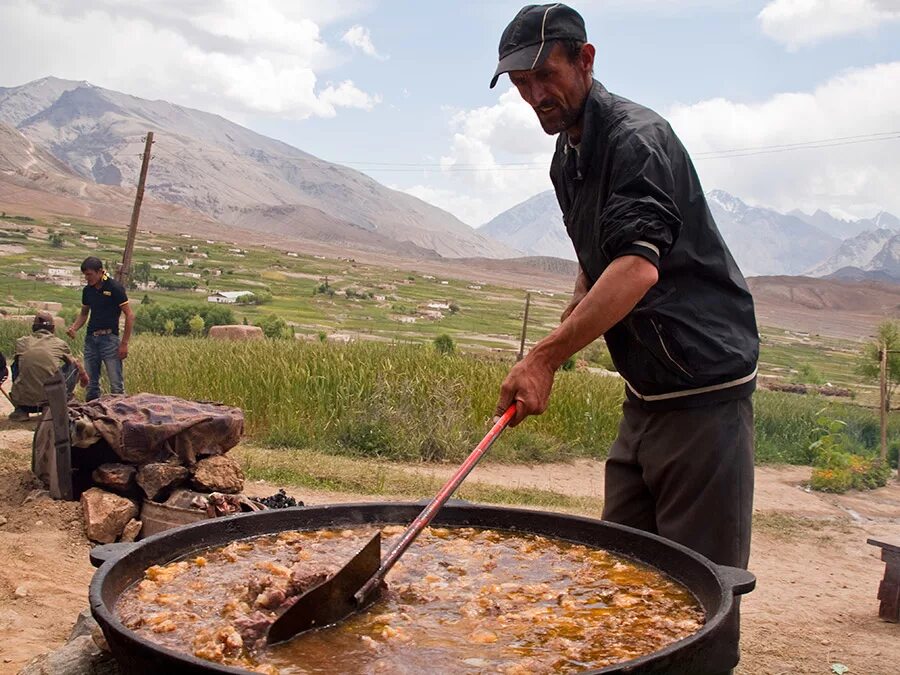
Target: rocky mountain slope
{"x": 535, "y": 227}
{"x": 860, "y": 252}
{"x": 233, "y": 175}
{"x": 33, "y": 178}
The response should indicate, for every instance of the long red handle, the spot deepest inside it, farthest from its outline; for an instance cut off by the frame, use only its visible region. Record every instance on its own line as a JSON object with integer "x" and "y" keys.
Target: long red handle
{"x": 428, "y": 513}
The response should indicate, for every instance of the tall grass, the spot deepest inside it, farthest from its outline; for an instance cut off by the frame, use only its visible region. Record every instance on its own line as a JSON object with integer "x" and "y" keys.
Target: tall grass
{"x": 376, "y": 400}
{"x": 409, "y": 402}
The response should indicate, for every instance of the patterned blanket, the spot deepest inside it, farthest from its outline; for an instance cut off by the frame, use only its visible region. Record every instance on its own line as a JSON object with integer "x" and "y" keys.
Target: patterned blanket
{"x": 150, "y": 428}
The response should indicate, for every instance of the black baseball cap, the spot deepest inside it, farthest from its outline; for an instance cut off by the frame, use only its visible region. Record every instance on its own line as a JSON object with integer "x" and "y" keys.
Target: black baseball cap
{"x": 524, "y": 43}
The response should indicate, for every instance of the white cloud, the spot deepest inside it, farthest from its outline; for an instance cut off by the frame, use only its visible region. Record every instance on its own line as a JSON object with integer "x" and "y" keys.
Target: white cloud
{"x": 229, "y": 57}
{"x": 858, "y": 178}
{"x": 498, "y": 157}
{"x": 476, "y": 179}
{"x": 346, "y": 95}
{"x": 359, "y": 37}
{"x": 796, "y": 23}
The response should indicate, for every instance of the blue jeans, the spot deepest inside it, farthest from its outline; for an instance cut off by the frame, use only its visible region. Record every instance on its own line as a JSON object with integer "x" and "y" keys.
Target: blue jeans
{"x": 103, "y": 349}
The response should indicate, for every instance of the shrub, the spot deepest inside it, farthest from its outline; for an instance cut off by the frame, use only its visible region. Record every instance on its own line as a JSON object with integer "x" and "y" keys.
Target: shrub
{"x": 837, "y": 467}
{"x": 154, "y": 318}
{"x": 273, "y": 326}
{"x": 444, "y": 344}
{"x": 807, "y": 374}
{"x": 195, "y": 325}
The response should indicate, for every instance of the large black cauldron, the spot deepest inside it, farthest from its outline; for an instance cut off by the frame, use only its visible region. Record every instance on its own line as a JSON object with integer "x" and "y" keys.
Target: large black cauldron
{"x": 122, "y": 564}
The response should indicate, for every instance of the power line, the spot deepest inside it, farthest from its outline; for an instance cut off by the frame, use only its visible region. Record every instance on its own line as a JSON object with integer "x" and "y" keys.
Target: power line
{"x": 699, "y": 156}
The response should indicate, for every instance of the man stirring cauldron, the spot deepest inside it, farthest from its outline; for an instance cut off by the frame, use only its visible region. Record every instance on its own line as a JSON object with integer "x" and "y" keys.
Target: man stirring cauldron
{"x": 658, "y": 282}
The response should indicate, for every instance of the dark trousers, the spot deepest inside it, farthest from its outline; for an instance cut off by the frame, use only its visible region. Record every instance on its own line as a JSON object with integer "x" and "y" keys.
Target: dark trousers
{"x": 687, "y": 475}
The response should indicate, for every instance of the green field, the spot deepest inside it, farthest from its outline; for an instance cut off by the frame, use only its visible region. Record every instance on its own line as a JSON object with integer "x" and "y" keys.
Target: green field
{"x": 388, "y": 393}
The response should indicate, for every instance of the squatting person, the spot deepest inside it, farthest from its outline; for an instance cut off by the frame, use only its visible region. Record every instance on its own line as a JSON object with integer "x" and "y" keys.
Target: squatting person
{"x": 37, "y": 359}
{"x": 104, "y": 300}
{"x": 658, "y": 282}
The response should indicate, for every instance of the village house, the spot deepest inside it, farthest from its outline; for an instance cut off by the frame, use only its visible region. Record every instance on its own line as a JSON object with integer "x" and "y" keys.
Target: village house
{"x": 227, "y": 297}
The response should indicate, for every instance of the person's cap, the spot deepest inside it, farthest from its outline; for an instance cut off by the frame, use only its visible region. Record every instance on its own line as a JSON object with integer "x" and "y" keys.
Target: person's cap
{"x": 527, "y": 40}
{"x": 43, "y": 318}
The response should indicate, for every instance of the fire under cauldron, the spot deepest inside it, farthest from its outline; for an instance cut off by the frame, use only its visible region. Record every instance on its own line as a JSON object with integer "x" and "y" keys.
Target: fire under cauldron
{"x": 714, "y": 586}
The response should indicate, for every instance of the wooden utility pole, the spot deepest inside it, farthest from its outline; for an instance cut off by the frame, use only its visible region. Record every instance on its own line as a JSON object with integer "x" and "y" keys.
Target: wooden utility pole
{"x": 521, "y": 354}
{"x": 124, "y": 271}
{"x": 883, "y": 406}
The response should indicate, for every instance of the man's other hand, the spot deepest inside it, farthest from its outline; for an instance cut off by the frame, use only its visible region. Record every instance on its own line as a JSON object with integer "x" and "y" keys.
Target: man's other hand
{"x": 83, "y": 378}
{"x": 70, "y": 331}
{"x": 123, "y": 351}
{"x": 527, "y": 385}
{"x": 573, "y": 303}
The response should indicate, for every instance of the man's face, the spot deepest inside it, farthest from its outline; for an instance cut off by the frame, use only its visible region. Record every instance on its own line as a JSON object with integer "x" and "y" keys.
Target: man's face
{"x": 93, "y": 277}
{"x": 557, "y": 89}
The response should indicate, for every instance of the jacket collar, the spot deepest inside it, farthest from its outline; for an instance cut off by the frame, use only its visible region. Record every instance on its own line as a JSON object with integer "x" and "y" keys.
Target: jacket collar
{"x": 595, "y": 104}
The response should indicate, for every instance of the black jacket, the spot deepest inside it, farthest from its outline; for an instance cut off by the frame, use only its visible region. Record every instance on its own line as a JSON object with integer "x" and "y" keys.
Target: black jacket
{"x": 630, "y": 189}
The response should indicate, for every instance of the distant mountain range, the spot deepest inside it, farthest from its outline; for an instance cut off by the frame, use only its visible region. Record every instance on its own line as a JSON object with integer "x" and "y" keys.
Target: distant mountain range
{"x": 70, "y": 147}
{"x": 763, "y": 241}
{"x": 228, "y": 173}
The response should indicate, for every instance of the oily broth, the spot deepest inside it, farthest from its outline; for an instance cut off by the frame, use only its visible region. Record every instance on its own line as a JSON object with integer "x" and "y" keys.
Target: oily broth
{"x": 460, "y": 600}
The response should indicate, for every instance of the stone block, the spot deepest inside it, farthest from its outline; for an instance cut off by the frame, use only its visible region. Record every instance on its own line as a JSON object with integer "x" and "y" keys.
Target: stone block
{"x": 116, "y": 477}
{"x": 159, "y": 478}
{"x": 218, "y": 474}
{"x": 105, "y": 514}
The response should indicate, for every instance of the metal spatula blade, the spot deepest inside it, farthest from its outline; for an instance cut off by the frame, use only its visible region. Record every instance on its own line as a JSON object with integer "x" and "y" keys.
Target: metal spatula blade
{"x": 333, "y": 599}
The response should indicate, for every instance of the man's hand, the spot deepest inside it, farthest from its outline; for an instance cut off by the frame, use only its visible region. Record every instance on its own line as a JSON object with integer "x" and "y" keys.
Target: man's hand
{"x": 70, "y": 331}
{"x": 83, "y": 379}
{"x": 123, "y": 351}
{"x": 581, "y": 290}
{"x": 573, "y": 303}
{"x": 527, "y": 385}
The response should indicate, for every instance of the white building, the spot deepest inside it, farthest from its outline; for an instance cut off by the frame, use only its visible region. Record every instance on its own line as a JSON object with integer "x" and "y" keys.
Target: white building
{"x": 227, "y": 297}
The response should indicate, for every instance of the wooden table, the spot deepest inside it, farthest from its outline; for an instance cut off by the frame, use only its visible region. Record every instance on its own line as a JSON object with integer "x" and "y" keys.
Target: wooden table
{"x": 889, "y": 589}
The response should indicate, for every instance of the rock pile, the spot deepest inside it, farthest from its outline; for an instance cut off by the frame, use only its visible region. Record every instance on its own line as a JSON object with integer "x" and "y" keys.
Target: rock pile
{"x": 131, "y": 455}
{"x": 112, "y": 508}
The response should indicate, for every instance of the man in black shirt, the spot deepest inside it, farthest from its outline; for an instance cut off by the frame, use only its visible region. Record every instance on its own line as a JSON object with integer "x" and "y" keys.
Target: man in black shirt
{"x": 104, "y": 300}
{"x": 658, "y": 282}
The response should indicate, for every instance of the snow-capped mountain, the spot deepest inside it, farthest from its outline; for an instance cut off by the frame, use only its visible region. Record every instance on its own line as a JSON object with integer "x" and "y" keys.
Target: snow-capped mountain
{"x": 762, "y": 240}
{"x": 766, "y": 242}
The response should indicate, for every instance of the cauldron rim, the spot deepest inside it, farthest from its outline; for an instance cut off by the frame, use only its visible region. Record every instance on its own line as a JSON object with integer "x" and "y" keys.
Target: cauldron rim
{"x": 730, "y": 581}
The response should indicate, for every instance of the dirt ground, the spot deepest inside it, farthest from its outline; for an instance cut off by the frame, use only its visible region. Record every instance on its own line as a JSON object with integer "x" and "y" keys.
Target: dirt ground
{"x": 815, "y": 603}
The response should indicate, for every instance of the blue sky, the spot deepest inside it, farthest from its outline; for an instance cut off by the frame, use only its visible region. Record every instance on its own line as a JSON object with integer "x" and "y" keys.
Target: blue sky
{"x": 384, "y": 84}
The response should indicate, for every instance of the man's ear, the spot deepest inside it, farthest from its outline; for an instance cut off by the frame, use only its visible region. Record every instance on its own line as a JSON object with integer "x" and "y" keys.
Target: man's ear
{"x": 586, "y": 57}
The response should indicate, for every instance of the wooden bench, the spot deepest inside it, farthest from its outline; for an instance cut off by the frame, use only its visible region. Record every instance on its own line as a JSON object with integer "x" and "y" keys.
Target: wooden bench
{"x": 889, "y": 589}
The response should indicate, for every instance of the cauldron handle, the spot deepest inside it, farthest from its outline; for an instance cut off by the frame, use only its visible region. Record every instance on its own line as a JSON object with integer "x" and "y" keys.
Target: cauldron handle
{"x": 104, "y": 552}
{"x": 739, "y": 580}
